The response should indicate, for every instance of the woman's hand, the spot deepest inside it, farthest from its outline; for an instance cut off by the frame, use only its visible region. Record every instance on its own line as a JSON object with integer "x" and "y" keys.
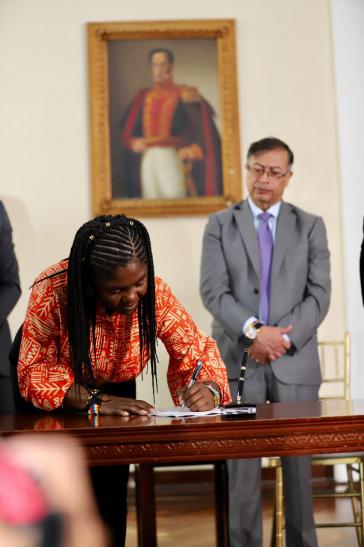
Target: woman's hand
{"x": 122, "y": 406}
{"x": 198, "y": 397}
{"x": 77, "y": 396}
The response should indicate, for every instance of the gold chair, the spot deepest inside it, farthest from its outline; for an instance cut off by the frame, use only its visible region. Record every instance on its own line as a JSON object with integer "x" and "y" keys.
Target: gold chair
{"x": 335, "y": 369}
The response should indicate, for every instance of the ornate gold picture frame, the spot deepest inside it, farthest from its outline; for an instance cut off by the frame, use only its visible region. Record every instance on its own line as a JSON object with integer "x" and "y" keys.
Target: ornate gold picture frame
{"x": 164, "y": 117}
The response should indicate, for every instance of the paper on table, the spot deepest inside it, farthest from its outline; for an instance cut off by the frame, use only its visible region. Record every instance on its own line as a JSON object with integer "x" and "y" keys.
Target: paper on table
{"x": 177, "y": 412}
{"x": 186, "y": 413}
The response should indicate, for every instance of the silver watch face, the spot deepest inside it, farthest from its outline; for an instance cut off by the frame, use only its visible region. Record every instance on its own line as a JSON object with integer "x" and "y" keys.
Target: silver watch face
{"x": 251, "y": 333}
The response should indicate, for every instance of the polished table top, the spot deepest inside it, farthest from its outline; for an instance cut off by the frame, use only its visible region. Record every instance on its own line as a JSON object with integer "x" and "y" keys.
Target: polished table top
{"x": 277, "y": 429}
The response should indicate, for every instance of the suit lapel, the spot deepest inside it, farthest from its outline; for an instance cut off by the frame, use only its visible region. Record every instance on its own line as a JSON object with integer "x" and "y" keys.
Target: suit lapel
{"x": 244, "y": 220}
{"x": 285, "y": 234}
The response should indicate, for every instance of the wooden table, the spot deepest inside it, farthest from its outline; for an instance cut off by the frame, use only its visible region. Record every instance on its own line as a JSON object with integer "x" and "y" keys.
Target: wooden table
{"x": 279, "y": 429}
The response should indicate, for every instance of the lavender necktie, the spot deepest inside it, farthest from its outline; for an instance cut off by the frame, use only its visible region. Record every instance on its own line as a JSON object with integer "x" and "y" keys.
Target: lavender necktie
{"x": 265, "y": 239}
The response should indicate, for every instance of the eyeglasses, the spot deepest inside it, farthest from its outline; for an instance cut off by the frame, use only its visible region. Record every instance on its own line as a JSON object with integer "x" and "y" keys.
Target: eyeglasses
{"x": 259, "y": 170}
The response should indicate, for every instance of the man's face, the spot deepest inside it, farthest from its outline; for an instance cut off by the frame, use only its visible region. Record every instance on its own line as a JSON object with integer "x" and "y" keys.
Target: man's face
{"x": 268, "y": 176}
{"x": 161, "y": 67}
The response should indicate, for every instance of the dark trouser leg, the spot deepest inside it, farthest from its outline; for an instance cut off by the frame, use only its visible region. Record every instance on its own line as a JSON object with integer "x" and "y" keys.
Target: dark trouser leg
{"x": 245, "y": 504}
{"x": 298, "y": 506}
{"x": 300, "y": 527}
{"x": 110, "y": 490}
{"x": 245, "y": 511}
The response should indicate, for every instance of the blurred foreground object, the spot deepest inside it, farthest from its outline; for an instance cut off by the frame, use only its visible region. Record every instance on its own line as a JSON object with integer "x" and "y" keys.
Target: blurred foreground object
{"x": 45, "y": 497}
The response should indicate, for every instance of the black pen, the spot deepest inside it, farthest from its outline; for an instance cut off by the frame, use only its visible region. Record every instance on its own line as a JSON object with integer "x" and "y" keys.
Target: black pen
{"x": 239, "y": 395}
{"x": 241, "y": 381}
{"x": 195, "y": 373}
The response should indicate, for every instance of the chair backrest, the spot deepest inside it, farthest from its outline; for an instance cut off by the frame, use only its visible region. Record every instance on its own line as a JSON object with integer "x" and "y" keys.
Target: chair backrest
{"x": 335, "y": 368}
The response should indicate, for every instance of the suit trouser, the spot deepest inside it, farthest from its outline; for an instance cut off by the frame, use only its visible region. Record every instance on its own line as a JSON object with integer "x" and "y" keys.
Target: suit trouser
{"x": 245, "y": 511}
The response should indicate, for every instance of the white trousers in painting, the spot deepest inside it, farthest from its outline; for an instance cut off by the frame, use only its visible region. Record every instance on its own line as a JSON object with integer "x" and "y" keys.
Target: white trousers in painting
{"x": 162, "y": 174}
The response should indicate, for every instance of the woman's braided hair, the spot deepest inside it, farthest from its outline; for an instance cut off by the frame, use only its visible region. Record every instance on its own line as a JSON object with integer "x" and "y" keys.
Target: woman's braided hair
{"x": 99, "y": 247}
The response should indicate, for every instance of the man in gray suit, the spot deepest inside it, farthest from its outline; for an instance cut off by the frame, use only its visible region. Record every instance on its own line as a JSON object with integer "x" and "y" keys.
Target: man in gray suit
{"x": 265, "y": 278}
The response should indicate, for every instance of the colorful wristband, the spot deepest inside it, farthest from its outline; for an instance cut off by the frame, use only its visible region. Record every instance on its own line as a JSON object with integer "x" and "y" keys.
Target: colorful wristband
{"x": 94, "y": 409}
{"x": 94, "y": 399}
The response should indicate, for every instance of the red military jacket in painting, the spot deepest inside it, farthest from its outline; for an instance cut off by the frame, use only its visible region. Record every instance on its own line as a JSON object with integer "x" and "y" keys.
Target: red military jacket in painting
{"x": 172, "y": 115}
{"x": 44, "y": 369}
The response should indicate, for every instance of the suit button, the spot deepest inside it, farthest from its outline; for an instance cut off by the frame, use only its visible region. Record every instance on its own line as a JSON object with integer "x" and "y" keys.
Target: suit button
{"x": 256, "y": 291}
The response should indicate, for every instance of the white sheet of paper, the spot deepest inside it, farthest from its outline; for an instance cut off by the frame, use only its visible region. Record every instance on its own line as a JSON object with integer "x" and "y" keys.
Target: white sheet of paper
{"x": 178, "y": 412}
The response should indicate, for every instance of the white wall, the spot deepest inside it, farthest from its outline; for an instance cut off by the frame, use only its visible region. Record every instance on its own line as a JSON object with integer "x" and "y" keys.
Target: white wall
{"x": 348, "y": 46}
{"x": 286, "y": 80}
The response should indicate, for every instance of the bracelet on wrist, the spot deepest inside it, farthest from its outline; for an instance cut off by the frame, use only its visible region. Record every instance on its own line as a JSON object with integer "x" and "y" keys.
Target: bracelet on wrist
{"x": 94, "y": 401}
{"x": 94, "y": 409}
{"x": 215, "y": 394}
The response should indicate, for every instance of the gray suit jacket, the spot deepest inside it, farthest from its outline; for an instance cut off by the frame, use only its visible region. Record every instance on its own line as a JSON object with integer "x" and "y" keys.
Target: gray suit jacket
{"x": 9, "y": 288}
{"x": 300, "y": 286}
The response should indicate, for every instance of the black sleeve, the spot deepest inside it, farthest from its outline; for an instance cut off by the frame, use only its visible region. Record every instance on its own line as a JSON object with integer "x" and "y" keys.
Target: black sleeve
{"x": 9, "y": 274}
{"x": 362, "y": 267}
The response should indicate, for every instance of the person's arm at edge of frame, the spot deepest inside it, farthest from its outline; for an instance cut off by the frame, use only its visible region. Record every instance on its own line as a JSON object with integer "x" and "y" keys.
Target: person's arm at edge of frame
{"x": 9, "y": 272}
{"x": 361, "y": 267}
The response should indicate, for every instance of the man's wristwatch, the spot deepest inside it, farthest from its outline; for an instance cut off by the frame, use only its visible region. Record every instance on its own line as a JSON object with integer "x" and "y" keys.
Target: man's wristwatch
{"x": 215, "y": 393}
{"x": 252, "y": 332}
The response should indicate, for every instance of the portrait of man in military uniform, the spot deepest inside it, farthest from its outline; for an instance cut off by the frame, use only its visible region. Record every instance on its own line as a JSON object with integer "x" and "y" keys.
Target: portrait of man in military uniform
{"x": 166, "y": 142}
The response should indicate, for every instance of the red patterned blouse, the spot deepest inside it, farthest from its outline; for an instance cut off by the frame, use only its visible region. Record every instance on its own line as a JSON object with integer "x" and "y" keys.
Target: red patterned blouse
{"x": 44, "y": 369}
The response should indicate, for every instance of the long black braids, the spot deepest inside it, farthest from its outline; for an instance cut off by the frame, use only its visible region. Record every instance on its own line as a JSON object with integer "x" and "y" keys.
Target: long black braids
{"x": 99, "y": 247}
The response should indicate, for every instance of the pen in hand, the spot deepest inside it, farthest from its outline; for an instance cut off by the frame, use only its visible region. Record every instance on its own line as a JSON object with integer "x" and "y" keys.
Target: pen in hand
{"x": 195, "y": 373}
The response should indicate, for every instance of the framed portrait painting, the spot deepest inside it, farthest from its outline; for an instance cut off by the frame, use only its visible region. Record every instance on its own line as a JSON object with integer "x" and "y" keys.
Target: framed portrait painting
{"x": 163, "y": 117}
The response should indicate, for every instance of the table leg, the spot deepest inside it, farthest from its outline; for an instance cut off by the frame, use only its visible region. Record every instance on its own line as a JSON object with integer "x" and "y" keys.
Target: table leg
{"x": 221, "y": 504}
{"x": 145, "y": 505}
{"x": 146, "y": 511}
